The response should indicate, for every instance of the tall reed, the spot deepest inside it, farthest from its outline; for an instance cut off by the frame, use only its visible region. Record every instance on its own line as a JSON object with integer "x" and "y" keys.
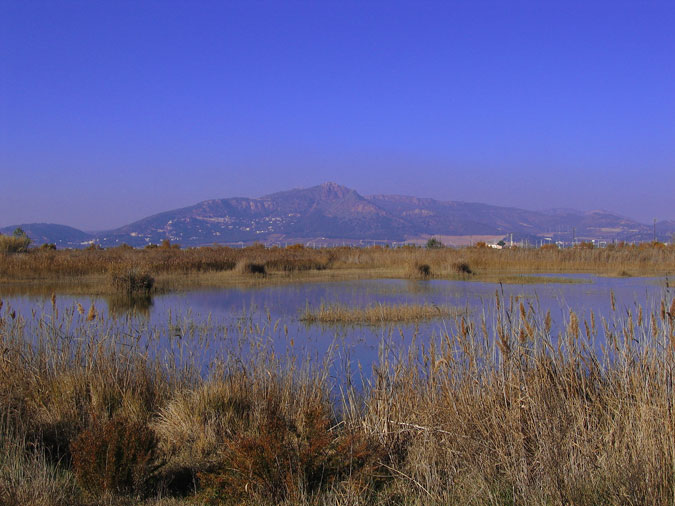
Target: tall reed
{"x": 499, "y": 408}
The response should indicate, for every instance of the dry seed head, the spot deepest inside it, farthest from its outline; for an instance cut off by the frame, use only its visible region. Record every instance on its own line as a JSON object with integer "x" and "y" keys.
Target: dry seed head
{"x": 80, "y": 309}
{"x": 655, "y": 328}
{"x": 0, "y": 304}
{"x": 639, "y": 315}
{"x": 613, "y": 300}
{"x": 54, "y": 300}
{"x": 92, "y": 313}
{"x": 503, "y": 343}
{"x": 573, "y": 328}
{"x": 523, "y": 315}
{"x": 663, "y": 310}
{"x": 672, "y": 310}
{"x": 547, "y": 322}
{"x": 522, "y": 336}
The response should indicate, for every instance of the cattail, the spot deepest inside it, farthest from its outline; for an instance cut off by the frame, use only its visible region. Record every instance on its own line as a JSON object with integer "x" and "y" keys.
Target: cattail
{"x": 523, "y": 315}
{"x": 655, "y": 328}
{"x": 672, "y": 310}
{"x": 0, "y": 304}
{"x": 522, "y": 336}
{"x": 547, "y": 322}
{"x": 499, "y": 304}
{"x": 593, "y": 322}
{"x": 53, "y": 300}
{"x": 92, "y": 313}
{"x": 503, "y": 342}
{"x": 573, "y": 328}
{"x": 663, "y": 310}
{"x": 613, "y": 300}
{"x": 639, "y": 316}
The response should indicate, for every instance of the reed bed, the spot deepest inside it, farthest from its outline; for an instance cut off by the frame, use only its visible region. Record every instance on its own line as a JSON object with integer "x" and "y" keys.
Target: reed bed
{"x": 498, "y": 409}
{"x": 208, "y": 265}
{"x": 377, "y": 314}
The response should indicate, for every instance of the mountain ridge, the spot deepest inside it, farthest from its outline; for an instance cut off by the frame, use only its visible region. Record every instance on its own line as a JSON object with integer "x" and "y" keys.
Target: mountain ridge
{"x": 332, "y": 214}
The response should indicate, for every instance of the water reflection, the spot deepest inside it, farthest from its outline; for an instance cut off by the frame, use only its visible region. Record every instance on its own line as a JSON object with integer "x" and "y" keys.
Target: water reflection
{"x": 279, "y": 307}
{"x": 121, "y": 305}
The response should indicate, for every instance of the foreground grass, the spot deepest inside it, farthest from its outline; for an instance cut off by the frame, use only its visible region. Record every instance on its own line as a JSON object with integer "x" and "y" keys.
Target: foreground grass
{"x": 378, "y": 314}
{"x": 498, "y": 410}
{"x": 93, "y": 271}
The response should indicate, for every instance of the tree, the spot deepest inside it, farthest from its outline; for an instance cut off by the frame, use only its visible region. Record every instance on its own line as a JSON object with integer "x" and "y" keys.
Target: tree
{"x": 434, "y": 243}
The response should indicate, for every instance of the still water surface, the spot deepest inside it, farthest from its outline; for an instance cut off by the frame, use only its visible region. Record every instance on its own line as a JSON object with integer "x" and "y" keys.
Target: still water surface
{"x": 273, "y": 311}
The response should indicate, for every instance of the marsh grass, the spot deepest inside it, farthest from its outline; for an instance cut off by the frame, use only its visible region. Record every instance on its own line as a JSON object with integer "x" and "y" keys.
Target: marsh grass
{"x": 498, "y": 408}
{"x": 510, "y": 279}
{"x": 14, "y": 244}
{"x": 70, "y": 270}
{"x": 376, "y": 314}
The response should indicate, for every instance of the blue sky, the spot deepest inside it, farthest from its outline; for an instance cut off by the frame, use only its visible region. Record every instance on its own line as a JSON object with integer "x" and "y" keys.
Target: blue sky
{"x": 111, "y": 111}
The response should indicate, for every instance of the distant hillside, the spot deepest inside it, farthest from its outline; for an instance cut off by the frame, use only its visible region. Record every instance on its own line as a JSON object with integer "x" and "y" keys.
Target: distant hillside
{"x": 333, "y": 214}
{"x": 61, "y": 235}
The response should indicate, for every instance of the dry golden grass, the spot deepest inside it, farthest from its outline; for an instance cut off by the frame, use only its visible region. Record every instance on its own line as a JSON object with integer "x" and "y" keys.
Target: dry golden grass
{"x": 499, "y": 409}
{"x": 378, "y": 314}
{"x": 81, "y": 271}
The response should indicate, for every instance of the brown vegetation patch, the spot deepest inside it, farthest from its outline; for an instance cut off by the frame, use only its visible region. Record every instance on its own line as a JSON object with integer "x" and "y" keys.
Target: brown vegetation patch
{"x": 376, "y": 314}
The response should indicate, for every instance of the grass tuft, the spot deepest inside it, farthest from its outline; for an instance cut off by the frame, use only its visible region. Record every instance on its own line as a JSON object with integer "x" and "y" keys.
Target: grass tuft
{"x": 378, "y": 314}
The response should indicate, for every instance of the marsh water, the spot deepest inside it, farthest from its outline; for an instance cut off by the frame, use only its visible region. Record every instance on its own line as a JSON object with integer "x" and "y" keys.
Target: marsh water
{"x": 271, "y": 313}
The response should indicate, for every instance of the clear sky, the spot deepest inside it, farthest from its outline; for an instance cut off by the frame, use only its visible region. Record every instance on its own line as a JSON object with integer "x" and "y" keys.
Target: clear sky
{"x": 114, "y": 110}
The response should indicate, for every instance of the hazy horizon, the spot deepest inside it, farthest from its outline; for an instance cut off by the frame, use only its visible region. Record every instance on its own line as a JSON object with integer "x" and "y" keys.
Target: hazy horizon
{"x": 93, "y": 230}
{"x": 111, "y": 112}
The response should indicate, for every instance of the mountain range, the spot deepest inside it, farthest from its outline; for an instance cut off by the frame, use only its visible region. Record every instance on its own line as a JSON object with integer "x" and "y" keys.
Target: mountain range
{"x": 331, "y": 214}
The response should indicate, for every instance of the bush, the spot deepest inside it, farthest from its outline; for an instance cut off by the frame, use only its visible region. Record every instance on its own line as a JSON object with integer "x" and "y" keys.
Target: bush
{"x": 17, "y": 243}
{"x": 434, "y": 243}
{"x": 248, "y": 267}
{"x": 284, "y": 461}
{"x": 132, "y": 282}
{"x": 420, "y": 270}
{"x": 117, "y": 456}
{"x": 462, "y": 268}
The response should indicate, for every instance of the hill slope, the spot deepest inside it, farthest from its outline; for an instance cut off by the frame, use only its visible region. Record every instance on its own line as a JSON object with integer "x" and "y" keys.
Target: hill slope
{"x": 333, "y": 214}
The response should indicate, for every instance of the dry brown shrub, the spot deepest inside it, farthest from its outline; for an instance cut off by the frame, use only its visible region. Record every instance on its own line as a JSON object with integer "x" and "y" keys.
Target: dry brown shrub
{"x": 250, "y": 268}
{"x": 115, "y": 456}
{"x": 132, "y": 282}
{"x": 285, "y": 460}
